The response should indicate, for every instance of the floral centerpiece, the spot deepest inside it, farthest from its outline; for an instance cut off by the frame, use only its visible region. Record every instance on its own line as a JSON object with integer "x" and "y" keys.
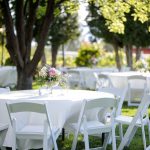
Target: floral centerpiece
{"x": 52, "y": 77}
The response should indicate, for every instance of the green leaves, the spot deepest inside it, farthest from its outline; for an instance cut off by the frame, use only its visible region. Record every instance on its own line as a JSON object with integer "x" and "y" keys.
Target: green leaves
{"x": 115, "y": 12}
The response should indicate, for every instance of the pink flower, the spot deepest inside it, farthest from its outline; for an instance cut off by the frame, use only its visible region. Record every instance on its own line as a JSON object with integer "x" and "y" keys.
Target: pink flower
{"x": 52, "y": 72}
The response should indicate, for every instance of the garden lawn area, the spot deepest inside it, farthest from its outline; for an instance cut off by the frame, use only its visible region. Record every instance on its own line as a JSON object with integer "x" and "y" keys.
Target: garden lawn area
{"x": 136, "y": 143}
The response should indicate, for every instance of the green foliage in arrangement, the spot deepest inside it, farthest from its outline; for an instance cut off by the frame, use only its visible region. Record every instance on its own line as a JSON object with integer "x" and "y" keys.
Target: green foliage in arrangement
{"x": 88, "y": 55}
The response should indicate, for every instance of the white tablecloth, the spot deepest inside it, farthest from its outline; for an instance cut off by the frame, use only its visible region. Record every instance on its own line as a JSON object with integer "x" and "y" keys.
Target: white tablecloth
{"x": 8, "y": 76}
{"x": 63, "y": 105}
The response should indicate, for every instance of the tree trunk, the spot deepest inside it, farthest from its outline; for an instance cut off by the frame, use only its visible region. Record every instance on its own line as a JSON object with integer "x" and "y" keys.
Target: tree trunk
{"x": 117, "y": 57}
{"x": 43, "y": 59}
{"x": 129, "y": 57}
{"x": 24, "y": 80}
{"x": 63, "y": 56}
{"x": 54, "y": 54}
{"x": 138, "y": 53}
{"x": 20, "y": 35}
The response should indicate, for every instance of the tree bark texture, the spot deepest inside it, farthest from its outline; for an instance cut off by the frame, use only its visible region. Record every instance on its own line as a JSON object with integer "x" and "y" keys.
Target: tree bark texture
{"x": 24, "y": 79}
{"x": 117, "y": 57}
{"x": 129, "y": 56}
{"x": 138, "y": 53}
{"x": 54, "y": 54}
{"x": 43, "y": 59}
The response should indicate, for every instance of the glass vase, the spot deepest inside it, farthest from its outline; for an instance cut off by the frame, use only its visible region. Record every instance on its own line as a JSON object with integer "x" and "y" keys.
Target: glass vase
{"x": 52, "y": 86}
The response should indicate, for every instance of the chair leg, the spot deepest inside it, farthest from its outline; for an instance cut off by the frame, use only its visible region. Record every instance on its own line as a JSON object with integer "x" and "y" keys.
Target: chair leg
{"x": 74, "y": 142}
{"x": 3, "y": 148}
{"x": 86, "y": 140}
{"x": 50, "y": 144}
{"x": 113, "y": 139}
{"x": 132, "y": 135}
{"x": 14, "y": 144}
{"x": 120, "y": 131}
{"x": 149, "y": 130}
{"x": 14, "y": 134}
{"x": 143, "y": 137}
{"x": 45, "y": 140}
{"x": 106, "y": 140}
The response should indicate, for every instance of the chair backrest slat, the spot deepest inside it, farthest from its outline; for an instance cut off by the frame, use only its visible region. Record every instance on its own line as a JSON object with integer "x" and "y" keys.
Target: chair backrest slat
{"x": 135, "y": 77}
{"x": 137, "y": 87}
{"x": 120, "y": 93}
{"x": 102, "y": 80}
{"x": 101, "y": 102}
{"x": 26, "y": 107}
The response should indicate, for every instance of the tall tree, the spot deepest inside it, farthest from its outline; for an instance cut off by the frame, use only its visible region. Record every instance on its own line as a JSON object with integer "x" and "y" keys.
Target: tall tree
{"x": 98, "y": 28}
{"x": 63, "y": 29}
{"x": 135, "y": 32}
{"x": 19, "y": 34}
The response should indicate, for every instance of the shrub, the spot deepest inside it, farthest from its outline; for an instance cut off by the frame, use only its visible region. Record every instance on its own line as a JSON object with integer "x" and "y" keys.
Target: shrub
{"x": 141, "y": 65}
{"x": 69, "y": 61}
{"x": 107, "y": 60}
{"x": 88, "y": 55}
{"x": 148, "y": 63}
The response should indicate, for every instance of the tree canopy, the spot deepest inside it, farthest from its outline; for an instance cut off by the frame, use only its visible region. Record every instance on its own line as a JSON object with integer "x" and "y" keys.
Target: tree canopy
{"x": 135, "y": 32}
{"x": 114, "y": 11}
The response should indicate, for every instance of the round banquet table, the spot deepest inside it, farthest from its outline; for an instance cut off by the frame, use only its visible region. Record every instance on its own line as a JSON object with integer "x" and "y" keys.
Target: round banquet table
{"x": 63, "y": 105}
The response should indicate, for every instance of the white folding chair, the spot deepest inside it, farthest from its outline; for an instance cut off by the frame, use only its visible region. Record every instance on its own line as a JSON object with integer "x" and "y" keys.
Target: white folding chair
{"x": 3, "y": 131}
{"x": 121, "y": 94}
{"x": 142, "y": 121}
{"x": 102, "y": 81}
{"x": 87, "y": 128}
{"x": 137, "y": 86}
{"x": 75, "y": 79}
{"x": 118, "y": 92}
{"x": 46, "y": 132}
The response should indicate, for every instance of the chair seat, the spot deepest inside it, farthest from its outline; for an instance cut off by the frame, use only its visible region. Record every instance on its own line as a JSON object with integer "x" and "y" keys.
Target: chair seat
{"x": 128, "y": 120}
{"x": 3, "y": 126}
{"x": 93, "y": 127}
{"x": 33, "y": 131}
